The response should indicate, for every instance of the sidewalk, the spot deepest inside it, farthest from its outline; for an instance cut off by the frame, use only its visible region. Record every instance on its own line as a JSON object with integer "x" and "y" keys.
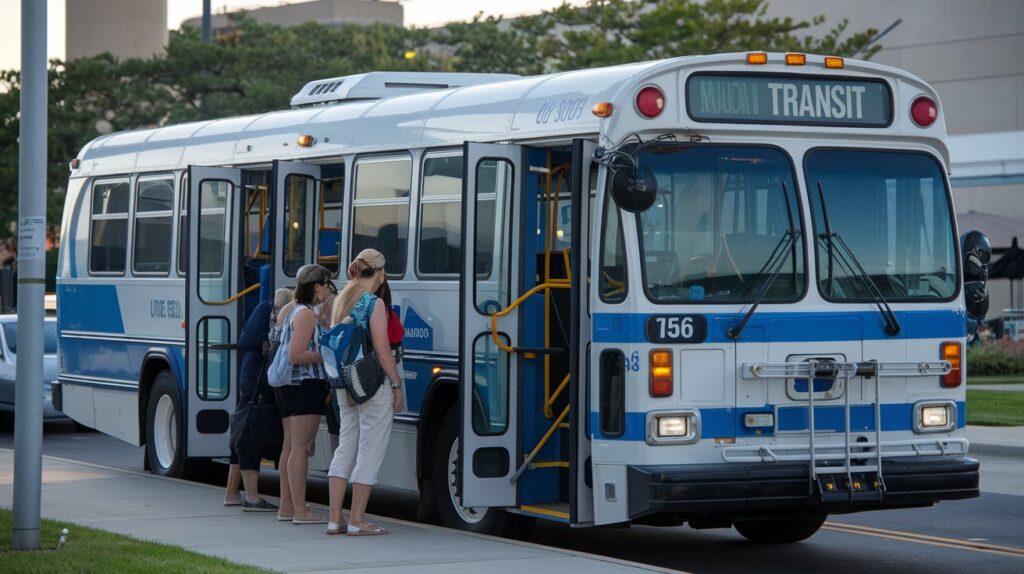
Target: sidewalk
{"x": 996, "y": 441}
{"x": 191, "y": 515}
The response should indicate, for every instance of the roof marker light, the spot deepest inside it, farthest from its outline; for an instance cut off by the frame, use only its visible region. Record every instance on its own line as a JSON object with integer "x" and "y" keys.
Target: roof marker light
{"x": 650, "y": 101}
{"x": 834, "y": 63}
{"x": 796, "y": 59}
{"x": 306, "y": 140}
{"x": 602, "y": 109}
{"x": 757, "y": 58}
{"x": 923, "y": 111}
{"x": 76, "y": 163}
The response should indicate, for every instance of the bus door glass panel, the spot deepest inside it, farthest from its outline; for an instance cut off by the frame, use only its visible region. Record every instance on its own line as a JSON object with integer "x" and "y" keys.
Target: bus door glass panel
{"x": 214, "y": 246}
{"x": 332, "y": 204}
{"x": 213, "y": 222}
{"x": 295, "y": 219}
{"x": 489, "y": 430}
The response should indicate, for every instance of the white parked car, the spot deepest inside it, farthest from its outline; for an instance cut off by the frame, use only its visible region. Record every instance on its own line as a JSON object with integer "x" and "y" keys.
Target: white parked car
{"x": 8, "y": 364}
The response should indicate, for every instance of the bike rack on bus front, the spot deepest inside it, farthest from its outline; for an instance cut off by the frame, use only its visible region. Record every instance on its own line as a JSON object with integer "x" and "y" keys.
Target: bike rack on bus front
{"x": 829, "y": 369}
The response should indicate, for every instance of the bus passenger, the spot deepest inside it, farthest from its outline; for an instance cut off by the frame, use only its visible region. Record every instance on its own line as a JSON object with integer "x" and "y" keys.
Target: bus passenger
{"x": 255, "y": 343}
{"x": 366, "y": 427}
{"x": 301, "y": 401}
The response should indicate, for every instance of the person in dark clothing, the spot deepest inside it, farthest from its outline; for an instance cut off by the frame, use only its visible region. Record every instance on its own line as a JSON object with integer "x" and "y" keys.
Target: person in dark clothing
{"x": 253, "y": 341}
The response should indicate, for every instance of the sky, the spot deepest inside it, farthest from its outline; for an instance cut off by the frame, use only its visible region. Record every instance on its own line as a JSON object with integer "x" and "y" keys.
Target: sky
{"x": 417, "y": 13}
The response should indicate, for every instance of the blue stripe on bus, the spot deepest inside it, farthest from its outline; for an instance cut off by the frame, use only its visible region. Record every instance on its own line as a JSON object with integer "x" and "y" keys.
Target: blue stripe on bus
{"x": 728, "y": 422}
{"x": 107, "y": 359}
{"x": 796, "y": 327}
{"x": 90, "y": 308}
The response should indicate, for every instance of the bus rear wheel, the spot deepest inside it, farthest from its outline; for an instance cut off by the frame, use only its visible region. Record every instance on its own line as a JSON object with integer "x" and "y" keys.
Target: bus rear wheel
{"x": 449, "y": 499}
{"x": 163, "y": 427}
{"x": 780, "y": 531}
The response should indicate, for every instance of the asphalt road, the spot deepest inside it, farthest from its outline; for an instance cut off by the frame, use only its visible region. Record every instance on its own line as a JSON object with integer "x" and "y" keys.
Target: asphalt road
{"x": 985, "y": 534}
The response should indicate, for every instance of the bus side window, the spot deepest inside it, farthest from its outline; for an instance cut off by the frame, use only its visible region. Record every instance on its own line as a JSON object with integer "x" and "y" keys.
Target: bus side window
{"x": 154, "y": 218}
{"x": 108, "y": 242}
{"x": 612, "y": 269}
{"x": 440, "y": 233}
{"x": 380, "y": 210}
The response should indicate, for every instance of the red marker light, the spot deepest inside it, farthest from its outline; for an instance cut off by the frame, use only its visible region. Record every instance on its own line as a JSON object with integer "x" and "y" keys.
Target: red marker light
{"x": 924, "y": 112}
{"x": 650, "y": 101}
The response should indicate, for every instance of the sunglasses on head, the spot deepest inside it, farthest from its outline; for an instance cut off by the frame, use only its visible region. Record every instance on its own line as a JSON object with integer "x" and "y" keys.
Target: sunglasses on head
{"x": 330, "y": 287}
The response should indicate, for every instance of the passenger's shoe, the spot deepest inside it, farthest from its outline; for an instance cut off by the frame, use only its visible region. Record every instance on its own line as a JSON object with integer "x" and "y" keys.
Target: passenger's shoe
{"x": 259, "y": 506}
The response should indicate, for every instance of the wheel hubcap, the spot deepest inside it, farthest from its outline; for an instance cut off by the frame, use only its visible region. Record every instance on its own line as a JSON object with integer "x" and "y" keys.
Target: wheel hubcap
{"x": 468, "y": 514}
{"x": 165, "y": 435}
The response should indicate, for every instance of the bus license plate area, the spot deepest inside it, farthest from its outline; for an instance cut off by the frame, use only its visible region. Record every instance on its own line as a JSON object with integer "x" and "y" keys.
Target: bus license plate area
{"x": 824, "y": 388}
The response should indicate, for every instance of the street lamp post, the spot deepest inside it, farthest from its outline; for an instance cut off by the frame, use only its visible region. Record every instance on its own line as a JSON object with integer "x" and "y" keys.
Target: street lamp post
{"x": 28, "y": 394}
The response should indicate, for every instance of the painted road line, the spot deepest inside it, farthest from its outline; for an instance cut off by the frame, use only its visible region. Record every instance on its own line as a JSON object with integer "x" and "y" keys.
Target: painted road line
{"x": 925, "y": 539}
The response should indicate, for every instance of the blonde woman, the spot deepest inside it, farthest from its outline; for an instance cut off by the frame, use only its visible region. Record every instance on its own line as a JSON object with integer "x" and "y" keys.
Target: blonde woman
{"x": 301, "y": 400}
{"x": 365, "y": 427}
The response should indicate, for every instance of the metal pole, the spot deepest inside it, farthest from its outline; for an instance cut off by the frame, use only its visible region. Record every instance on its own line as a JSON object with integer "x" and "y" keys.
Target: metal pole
{"x": 206, "y": 21}
{"x": 878, "y": 37}
{"x": 28, "y": 393}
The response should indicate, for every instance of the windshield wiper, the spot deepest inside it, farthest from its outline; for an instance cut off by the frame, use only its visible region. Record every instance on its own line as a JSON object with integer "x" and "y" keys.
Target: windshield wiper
{"x": 777, "y": 259}
{"x": 846, "y": 257}
{"x": 787, "y": 241}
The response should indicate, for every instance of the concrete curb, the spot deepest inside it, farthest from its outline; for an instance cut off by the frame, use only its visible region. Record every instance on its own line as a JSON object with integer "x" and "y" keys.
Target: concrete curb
{"x": 997, "y": 450}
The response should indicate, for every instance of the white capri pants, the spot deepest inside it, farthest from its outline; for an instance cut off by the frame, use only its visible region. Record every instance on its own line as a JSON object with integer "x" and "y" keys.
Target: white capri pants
{"x": 365, "y": 431}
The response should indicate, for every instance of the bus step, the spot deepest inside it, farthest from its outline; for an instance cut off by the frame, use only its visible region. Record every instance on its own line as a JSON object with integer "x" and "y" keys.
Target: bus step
{"x": 558, "y": 511}
{"x": 549, "y": 464}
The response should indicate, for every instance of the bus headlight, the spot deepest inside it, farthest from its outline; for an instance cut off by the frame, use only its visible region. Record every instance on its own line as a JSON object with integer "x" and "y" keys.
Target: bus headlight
{"x": 677, "y": 427}
{"x": 934, "y": 416}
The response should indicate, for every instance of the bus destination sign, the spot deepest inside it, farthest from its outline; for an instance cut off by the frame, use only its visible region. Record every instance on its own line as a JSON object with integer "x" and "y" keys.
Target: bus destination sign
{"x": 789, "y": 100}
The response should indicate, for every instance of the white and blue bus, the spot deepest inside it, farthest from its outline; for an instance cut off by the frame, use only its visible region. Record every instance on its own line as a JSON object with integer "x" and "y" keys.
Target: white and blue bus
{"x": 721, "y": 290}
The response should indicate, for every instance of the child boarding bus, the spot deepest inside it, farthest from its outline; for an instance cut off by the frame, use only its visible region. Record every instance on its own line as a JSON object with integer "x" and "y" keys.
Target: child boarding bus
{"x": 723, "y": 290}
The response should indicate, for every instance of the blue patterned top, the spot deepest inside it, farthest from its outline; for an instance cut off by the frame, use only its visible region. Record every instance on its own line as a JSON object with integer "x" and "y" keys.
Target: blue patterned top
{"x": 363, "y": 309}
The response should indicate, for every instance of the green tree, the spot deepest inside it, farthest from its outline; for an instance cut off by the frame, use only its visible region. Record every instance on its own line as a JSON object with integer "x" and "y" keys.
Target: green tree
{"x": 609, "y": 32}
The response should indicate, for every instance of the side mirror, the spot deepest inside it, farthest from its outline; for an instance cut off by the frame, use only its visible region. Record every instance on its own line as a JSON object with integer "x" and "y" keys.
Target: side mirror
{"x": 636, "y": 191}
{"x": 976, "y": 253}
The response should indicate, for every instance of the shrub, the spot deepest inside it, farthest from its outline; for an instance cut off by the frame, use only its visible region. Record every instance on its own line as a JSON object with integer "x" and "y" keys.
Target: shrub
{"x": 998, "y": 357}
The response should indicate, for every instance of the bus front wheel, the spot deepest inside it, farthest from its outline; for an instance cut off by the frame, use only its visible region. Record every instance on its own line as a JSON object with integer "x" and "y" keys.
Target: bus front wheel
{"x": 449, "y": 499}
{"x": 163, "y": 427}
{"x": 780, "y": 531}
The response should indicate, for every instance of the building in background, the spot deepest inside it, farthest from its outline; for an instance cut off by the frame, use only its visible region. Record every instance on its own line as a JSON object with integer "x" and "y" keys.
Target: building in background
{"x": 972, "y": 53}
{"x": 125, "y": 28}
{"x": 331, "y": 13}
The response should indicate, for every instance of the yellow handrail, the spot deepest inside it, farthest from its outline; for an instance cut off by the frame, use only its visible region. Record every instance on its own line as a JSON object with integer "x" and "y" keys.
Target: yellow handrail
{"x": 236, "y": 296}
{"x": 540, "y": 445}
{"x": 516, "y": 303}
{"x": 550, "y": 401}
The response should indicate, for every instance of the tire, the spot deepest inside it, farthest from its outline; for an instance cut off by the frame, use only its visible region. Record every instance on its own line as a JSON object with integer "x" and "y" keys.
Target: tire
{"x": 164, "y": 420}
{"x": 453, "y": 514}
{"x": 780, "y": 531}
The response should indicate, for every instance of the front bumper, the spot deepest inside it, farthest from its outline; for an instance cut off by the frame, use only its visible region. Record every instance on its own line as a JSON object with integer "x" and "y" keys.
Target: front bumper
{"x": 749, "y": 489}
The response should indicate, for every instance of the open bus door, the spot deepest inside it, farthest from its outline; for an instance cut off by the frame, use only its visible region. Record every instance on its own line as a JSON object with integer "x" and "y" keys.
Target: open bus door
{"x": 297, "y": 229}
{"x": 489, "y": 395}
{"x": 296, "y": 220}
{"x": 211, "y": 308}
{"x": 584, "y": 182}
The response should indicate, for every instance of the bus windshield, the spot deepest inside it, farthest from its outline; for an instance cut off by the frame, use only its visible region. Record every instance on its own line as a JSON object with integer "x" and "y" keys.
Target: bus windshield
{"x": 892, "y": 210}
{"x": 721, "y": 213}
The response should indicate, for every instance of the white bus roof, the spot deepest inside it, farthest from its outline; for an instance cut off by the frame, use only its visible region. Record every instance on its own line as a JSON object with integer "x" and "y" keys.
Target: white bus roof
{"x": 532, "y": 108}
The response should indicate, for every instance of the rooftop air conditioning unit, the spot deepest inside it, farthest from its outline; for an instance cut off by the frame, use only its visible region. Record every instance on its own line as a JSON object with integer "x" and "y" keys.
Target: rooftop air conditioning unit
{"x": 376, "y": 85}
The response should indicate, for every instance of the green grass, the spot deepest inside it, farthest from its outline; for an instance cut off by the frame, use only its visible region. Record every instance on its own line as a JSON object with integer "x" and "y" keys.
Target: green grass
{"x": 91, "y": 550}
{"x": 995, "y": 380}
{"x": 995, "y": 408}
